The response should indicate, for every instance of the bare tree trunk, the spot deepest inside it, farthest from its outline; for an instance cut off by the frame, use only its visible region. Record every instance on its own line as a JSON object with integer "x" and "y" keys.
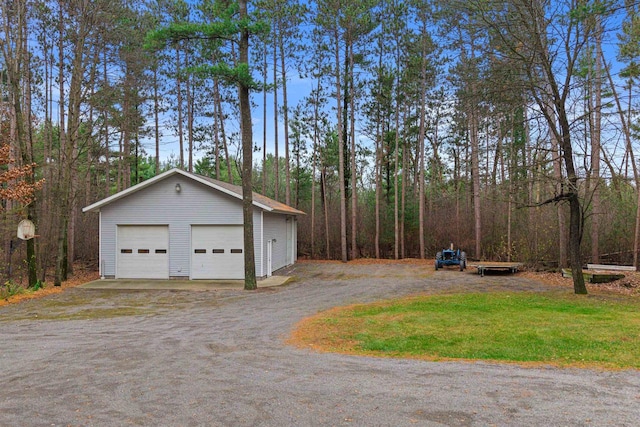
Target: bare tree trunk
{"x": 575, "y": 209}
{"x": 314, "y": 162}
{"x": 17, "y": 65}
{"x": 189, "y": 91}
{"x": 85, "y": 15}
{"x": 264, "y": 122}
{"x": 487, "y": 149}
{"x": 285, "y": 108}
{"x": 325, "y": 203}
{"x": 475, "y": 173}
{"x": 120, "y": 178}
{"x": 46, "y": 204}
{"x": 343, "y": 200}
{"x": 396, "y": 220}
{"x": 556, "y": 97}
{"x": 125, "y": 152}
{"x": 61, "y": 258}
{"x": 595, "y": 146}
{"x": 534, "y": 168}
{"x": 378, "y": 164}
{"x": 250, "y": 282}
{"x": 509, "y": 208}
{"x": 276, "y": 164}
{"x": 354, "y": 175}
{"x": 107, "y": 153}
{"x": 216, "y": 141}
{"x": 456, "y": 179}
{"x": 218, "y": 112}
{"x": 626, "y": 131}
{"x": 421, "y": 136}
{"x": 379, "y": 145}
{"x": 497, "y": 155}
{"x": 179, "y": 107}
{"x": 557, "y": 174}
{"x": 403, "y": 198}
{"x": 156, "y": 117}
{"x": 73, "y": 220}
{"x": 28, "y": 158}
{"x": 89, "y": 173}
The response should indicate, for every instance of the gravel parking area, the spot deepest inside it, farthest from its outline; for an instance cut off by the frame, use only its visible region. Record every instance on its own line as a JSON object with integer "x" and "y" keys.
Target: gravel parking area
{"x": 218, "y": 358}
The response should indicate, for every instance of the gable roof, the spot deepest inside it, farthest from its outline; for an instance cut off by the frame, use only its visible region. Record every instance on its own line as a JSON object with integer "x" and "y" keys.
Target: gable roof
{"x": 235, "y": 191}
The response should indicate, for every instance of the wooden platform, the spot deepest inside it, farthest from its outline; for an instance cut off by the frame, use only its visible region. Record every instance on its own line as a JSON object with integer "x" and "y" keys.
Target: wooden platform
{"x": 511, "y": 267}
{"x": 611, "y": 267}
{"x": 593, "y": 276}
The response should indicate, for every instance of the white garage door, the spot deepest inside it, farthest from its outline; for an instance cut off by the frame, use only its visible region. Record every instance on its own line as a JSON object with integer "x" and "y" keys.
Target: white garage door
{"x": 143, "y": 252}
{"x": 217, "y": 252}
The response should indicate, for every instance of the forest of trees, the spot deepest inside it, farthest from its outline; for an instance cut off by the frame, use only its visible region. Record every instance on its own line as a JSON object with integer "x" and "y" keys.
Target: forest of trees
{"x": 506, "y": 127}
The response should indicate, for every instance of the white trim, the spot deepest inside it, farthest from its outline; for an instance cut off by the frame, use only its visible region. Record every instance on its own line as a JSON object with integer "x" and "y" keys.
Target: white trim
{"x": 262, "y": 257}
{"x": 191, "y": 251}
{"x": 100, "y": 242}
{"x": 222, "y": 189}
{"x": 288, "y": 240}
{"x": 115, "y": 255}
{"x": 123, "y": 193}
{"x": 97, "y": 205}
{"x": 269, "y": 260}
{"x": 294, "y": 244}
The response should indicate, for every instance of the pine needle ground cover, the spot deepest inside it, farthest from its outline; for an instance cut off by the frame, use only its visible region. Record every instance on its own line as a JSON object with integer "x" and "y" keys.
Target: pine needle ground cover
{"x": 564, "y": 330}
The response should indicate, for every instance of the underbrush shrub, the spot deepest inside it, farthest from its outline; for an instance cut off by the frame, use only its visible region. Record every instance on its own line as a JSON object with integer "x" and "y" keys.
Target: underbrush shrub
{"x": 10, "y": 288}
{"x": 37, "y": 286}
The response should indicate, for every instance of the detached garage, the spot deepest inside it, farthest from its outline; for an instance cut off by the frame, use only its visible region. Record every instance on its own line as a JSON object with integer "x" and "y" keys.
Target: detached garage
{"x": 184, "y": 225}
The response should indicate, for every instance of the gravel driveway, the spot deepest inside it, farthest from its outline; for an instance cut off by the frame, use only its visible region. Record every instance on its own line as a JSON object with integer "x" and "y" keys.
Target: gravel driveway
{"x": 218, "y": 358}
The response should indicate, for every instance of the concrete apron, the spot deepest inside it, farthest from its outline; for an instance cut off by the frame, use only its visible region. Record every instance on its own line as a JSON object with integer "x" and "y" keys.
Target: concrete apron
{"x": 180, "y": 285}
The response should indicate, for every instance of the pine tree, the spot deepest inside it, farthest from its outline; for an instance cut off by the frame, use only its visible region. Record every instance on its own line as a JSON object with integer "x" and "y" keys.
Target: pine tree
{"x": 233, "y": 24}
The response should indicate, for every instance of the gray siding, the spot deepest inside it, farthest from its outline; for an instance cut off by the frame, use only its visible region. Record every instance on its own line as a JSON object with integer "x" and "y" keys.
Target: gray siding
{"x": 160, "y": 204}
{"x": 295, "y": 240}
{"x": 275, "y": 227}
{"x": 257, "y": 238}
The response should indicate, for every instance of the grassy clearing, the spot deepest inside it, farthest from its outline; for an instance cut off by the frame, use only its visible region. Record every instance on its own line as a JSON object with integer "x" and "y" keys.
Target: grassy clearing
{"x": 511, "y": 327}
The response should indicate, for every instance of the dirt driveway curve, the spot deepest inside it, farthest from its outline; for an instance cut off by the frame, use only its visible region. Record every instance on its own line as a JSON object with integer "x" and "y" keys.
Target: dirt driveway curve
{"x": 217, "y": 358}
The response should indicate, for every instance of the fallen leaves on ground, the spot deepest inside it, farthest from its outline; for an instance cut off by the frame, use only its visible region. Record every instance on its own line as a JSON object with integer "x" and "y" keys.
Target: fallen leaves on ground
{"x": 629, "y": 285}
{"x": 81, "y": 274}
{"x": 374, "y": 261}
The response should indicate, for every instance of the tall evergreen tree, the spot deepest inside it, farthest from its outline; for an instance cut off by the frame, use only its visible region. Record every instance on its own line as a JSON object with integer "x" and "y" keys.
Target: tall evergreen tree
{"x": 233, "y": 24}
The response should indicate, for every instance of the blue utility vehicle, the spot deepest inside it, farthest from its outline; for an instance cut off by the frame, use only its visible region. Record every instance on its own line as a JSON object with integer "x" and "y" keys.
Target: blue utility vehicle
{"x": 447, "y": 257}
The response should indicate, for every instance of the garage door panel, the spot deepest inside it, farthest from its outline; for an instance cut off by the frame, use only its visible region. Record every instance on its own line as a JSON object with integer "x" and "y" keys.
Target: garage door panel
{"x": 143, "y": 252}
{"x": 217, "y": 252}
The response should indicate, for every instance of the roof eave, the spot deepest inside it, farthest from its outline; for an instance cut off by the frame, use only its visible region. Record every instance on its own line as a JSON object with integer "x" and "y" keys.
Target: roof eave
{"x": 284, "y": 212}
{"x": 95, "y": 207}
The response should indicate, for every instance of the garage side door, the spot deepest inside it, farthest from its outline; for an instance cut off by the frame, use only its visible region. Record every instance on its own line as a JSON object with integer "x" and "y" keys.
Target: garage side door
{"x": 217, "y": 252}
{"x": 143, "y": 252}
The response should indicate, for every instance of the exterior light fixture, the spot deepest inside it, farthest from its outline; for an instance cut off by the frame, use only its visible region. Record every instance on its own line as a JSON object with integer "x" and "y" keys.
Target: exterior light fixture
{"x": 178, "y": 188}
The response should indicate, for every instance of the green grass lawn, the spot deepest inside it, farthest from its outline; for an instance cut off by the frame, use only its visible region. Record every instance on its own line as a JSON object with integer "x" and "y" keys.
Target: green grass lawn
{"x": 515, "y": 327}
